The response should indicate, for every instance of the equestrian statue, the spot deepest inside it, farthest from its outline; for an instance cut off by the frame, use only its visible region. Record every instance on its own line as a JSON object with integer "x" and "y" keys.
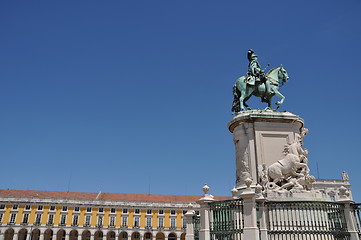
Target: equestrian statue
{"x": 259, "y": 84}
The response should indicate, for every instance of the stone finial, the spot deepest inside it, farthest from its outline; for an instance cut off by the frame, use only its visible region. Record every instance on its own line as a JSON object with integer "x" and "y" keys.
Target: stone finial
{"x": 206, "y": 196}
{"x": 234, "y": 192}
{"x": 248, "y": 182}
{"x": 206, "y": 188}
{"x": 190, "y": 211}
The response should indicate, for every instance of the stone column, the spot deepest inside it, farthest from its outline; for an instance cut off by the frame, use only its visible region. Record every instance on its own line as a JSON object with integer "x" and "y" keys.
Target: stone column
{"x": 54, "y": 234}
{"x": 189, "y": 223}
{"x": 204, "y": 228}
{"x": 250, "y": 229}
{"x": 262, "y": 221}
{"x": 41, "y": 236}
{"x": 2, "y": 237}
{"x": 28, "y": 236}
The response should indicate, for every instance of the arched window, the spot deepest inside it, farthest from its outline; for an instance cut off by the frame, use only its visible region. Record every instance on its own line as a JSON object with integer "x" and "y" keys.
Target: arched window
{"x": 9, "y": 234}
{"x": 123, "y": 236}
{"x": 35, "y": 235}
{"x": 135, "y": 236}
{"x": 60, "y": 235}
{"x": 22, "y": 234}
{"x": 111, "y": 235}
{"x": 48, "y": 234}
{"x": 172, "y": 236}
{"x": 160, "y": 236}
{"x": 85, "y": 235}
{"x": 73, "y": 235}
{"x": 147, "y": 236}
{"x": 183, "y": 236}
{"x": 98, "y": 235}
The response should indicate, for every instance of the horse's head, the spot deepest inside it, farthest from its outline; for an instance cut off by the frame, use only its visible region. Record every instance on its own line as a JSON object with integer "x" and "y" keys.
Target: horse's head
{"x": 282, "y": 74}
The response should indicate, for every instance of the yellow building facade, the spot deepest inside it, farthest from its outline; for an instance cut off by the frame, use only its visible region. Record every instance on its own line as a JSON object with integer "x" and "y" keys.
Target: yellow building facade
{"x": 46, "y": 215}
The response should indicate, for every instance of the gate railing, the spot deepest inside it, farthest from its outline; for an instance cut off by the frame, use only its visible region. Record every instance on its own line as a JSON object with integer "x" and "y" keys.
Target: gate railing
{"x": 226, "y": 219}
{"x": 196, "y": 221}
{"x": 357, "y": 212}
{"x": 306, "y": 220}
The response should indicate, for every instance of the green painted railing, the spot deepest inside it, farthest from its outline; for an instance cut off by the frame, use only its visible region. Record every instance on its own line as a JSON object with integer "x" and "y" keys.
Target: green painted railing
{"x": 226, "y": 219}
{"x": 306, "y": 220}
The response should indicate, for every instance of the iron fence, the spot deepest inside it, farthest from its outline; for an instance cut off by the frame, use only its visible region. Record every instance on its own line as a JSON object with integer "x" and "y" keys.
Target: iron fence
{"x": 357, "y": 212}
{"x": 306, "y": 220}
{"x": 226, "y": 220}
{"x": 196, "y": 221}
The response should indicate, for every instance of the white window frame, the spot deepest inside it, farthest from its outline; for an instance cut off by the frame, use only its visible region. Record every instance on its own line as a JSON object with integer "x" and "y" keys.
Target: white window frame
{"x": 12, "y": 218}
{"x": 124, "y": 221}
{"x": 148, "y": 222}
{"x": 136, "y": 221}
{"x": 25, "y": 217}
{"x": 75, "y": 220}
{"x": 173, "y": 222}
{"x": 38, "y": 218}
{"x": 111, "y": 221}
{"x": 51, "y": 219}
{"x": 161, "y": 222}
{"x": 63, "y": 219}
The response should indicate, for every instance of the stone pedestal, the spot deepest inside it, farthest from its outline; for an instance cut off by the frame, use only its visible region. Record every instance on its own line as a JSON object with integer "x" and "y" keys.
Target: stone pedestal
{"x": 260, "y": 137}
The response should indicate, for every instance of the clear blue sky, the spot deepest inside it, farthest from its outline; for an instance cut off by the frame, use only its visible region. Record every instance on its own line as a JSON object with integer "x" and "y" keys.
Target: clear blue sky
{"x": 134, "y": 96}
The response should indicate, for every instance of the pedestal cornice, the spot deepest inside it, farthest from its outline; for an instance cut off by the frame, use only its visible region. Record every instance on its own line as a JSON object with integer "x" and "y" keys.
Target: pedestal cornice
{"x": 262, "y": 116}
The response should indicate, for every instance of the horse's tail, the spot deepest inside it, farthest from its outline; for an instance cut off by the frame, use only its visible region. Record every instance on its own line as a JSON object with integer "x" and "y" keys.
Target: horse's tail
{"x": 236, "y": 96}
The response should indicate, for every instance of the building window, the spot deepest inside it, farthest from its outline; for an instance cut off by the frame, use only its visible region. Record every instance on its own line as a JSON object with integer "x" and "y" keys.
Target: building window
{"x": 40, "y": 207}
{"x": 172, "y": 222}
{"x": 75, "y": 220}
{"x": 149, "y": 211}
{"x": 136, "y": 211}
{"x": 38, "y": 218}
{"x": 87, "y": 220}
{"x": 125, "y": 210}
{"x": 136, "y": 221}
{"x": 124, "y": 221}
{"x": 51, "y": 219}
{"x": 161, "y": 212}
{"x": 64, "y": 209}
{"x": 101, "y": 209}
{"x": 12, "y": 218}
{"x": 172, "y": 212}
{"x": 1, "y": 218}
{"x": 100, "y": 221}
{"x": 112, "y": 221}
{"x": 161, "y": 222}
{"x": 15, "y": 207}
{"x": 149, "y": 222}
{"x": 52, "y": 208}
{"x": 26, "y": 218}
{"x": 76, "y": 209}
{"x": 27, "y": 207}
{"x": 2, "y": 206}
{"x": 184, "y": 222}
{"x": 63, "y": 219}
{"x": 112, "y": 210}
{"x": 88, "y": 209}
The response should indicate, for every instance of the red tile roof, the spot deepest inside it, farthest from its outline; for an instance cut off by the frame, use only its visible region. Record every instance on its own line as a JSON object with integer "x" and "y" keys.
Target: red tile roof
{"x": 102, "y": 196}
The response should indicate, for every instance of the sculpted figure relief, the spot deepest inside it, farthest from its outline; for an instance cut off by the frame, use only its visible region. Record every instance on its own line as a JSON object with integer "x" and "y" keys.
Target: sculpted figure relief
{"x": 258, "y": 84}
{"x": 290, "y": 172}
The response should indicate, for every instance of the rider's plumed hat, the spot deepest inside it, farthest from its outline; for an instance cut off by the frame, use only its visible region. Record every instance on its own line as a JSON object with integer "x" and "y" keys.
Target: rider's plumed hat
{"x": 250, "y": 54}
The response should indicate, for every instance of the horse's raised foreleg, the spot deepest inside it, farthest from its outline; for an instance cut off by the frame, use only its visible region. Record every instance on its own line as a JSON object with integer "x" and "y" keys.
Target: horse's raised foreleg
{"x": 278, "y": 94}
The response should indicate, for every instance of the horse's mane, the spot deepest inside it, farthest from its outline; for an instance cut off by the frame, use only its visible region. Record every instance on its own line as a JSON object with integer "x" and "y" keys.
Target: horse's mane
{"x": 273, "y": 69}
